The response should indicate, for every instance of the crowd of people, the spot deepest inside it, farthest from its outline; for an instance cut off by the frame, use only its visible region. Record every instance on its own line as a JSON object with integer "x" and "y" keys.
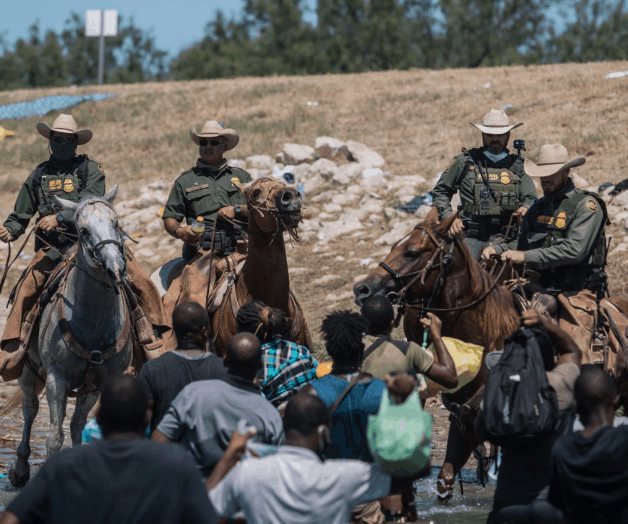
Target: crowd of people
{"x": 259, "y": 436}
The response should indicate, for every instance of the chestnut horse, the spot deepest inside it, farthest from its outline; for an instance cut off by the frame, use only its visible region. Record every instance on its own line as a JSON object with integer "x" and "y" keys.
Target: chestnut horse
{"x": 273, "y": 208}
{"x": 428, "y": 271}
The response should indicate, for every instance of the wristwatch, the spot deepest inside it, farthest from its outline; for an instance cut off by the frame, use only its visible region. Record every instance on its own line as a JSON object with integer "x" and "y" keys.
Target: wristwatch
{"x": 237, "y": 210}
{"x": 59, "y": 217}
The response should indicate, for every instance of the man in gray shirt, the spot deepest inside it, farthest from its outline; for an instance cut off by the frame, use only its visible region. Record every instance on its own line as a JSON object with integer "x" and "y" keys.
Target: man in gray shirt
{"x": 294, "y": 484}
{"x": 205, "y": 414}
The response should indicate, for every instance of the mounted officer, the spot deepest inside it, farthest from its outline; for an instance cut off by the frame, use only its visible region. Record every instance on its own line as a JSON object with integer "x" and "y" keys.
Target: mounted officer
{"x": 208, "y": 190}
{"x": 492, "y": 184}
{"x": 72, "y": 177}
{"x": 562, "y": 242}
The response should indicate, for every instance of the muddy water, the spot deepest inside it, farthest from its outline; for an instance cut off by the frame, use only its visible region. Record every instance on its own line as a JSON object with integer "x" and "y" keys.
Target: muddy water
{"x": 471, "y": 507}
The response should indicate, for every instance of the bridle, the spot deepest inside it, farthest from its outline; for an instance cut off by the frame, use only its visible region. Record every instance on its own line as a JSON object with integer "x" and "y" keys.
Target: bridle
{"x": 274, "y": 212}
{"x": 93, "y": 250}
{"x": 444, "y": 253}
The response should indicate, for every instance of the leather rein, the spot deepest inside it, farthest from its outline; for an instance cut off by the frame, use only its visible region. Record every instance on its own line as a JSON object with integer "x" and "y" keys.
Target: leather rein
{"x": 445, "y": 258}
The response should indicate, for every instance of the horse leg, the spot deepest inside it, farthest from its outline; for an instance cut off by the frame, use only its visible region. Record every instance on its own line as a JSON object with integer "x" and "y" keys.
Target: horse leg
{"x": 84, "y": 404}
{"x": 30, "y": 384}
{"x": 57, "y": 395}
{"x": 460, "y": 443}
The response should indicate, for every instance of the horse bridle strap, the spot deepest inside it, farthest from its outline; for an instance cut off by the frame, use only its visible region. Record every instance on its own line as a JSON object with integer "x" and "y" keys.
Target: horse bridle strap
{"x": 95, "y": 356}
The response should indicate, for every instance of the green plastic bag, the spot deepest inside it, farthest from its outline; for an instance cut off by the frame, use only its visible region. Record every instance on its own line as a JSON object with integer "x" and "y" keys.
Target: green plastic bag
{"x": 399, "y": 436}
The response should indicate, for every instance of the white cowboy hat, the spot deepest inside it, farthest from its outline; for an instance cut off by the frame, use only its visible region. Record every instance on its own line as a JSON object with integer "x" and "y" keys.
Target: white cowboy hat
{"x": 496, "y": 122}
{"x": 212, "y": 129}
{"x": 65, "y": 124}
{"x": 552, "y": 158}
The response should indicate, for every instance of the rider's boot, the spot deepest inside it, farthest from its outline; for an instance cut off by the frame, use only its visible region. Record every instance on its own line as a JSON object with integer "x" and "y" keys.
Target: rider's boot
{"x": 11, "y": 360}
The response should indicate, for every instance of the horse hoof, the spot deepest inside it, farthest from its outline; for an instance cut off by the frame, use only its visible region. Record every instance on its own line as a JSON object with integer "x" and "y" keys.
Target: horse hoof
{"x": 21, "y": 478}
{"x": 444, "y": 492}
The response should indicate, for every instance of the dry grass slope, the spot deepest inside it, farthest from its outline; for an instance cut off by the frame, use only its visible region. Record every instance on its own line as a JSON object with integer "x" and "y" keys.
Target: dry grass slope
{"x": 416, "y": 119}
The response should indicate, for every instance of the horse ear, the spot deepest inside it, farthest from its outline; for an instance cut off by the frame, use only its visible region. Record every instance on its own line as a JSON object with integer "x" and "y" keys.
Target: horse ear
{"x": 111, "y": 194}
{"x": 443, "y": 226}
{"x": 67, "y": 204}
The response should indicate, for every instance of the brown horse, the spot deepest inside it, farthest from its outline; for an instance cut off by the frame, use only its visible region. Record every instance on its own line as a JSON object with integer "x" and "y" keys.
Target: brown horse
{"x": 431, "y": 272}
{"x": 273, "y": 208}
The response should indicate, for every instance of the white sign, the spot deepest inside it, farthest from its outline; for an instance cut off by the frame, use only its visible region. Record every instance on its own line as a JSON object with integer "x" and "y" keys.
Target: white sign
{"x": 94, "y": 22}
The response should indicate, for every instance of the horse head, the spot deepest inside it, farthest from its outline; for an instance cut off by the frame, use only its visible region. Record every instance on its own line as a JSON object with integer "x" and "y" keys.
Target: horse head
{"x": 273, "y": 207}
{"x": 412, "y": 266}
{"x": 101, "y": 241}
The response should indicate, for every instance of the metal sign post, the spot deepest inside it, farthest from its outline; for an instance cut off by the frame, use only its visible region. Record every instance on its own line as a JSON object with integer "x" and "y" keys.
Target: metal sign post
{"x": 101, "y": 23}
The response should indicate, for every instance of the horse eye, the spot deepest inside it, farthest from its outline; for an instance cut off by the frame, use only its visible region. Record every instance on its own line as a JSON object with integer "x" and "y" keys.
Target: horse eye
{"x": 412, "y": 254}
{"x": 257, "y": 193}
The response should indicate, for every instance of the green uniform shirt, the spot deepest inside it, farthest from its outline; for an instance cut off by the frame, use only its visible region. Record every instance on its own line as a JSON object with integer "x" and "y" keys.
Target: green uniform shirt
{"x": 203, "y": 190}
{"x": 578, "y": 238}
{"x": 462, "y": 176}
{"x": 73, "y": 180}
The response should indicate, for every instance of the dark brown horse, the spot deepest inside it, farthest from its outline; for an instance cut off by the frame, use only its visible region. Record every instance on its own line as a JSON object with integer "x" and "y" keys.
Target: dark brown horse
{"x": 428, "y": 271}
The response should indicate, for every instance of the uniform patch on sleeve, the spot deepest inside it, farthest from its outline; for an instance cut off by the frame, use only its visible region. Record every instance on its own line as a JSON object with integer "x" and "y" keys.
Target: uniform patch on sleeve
{"x": 561, "y": 220}
{"x": 196, "y": 187}
{"x": 591, "y": 205}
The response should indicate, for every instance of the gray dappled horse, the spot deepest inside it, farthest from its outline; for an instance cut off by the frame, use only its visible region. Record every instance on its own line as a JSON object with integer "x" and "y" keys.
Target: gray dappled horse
{"x": 84, "y": 332}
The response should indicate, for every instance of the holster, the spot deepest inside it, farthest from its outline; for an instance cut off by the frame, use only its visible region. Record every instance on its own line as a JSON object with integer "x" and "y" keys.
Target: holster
{"x": 152, "y": 346}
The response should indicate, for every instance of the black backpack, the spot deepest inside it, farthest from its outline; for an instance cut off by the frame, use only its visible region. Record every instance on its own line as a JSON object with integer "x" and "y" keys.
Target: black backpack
{"x": 520, "y": 406}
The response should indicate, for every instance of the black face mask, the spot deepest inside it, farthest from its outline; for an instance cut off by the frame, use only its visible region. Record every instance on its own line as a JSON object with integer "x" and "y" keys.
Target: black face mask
{"x": 62, "y": 151}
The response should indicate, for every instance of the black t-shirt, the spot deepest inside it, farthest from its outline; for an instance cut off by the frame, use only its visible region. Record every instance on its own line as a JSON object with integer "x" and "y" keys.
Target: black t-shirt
{"x": 126, "y": 482}
{"x": 167, "y": 375}
{"x": 590, "y": 476}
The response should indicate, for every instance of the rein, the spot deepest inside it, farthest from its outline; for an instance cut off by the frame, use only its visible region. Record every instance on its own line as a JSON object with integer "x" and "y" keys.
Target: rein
{"x": 445, "y": 260}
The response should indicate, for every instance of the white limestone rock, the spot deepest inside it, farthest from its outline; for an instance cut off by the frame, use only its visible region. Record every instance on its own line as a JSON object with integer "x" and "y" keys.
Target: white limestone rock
{"x": 296, "y": 154}
{"x": 331, "y": 148}
{"x": 364, "y": 155}
{"x": 324, "y": 168}
{"x": 260, "y": 162}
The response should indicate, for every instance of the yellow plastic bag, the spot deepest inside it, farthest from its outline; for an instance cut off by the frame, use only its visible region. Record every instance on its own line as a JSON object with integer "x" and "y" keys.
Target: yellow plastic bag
{"x": 466, "y": 356}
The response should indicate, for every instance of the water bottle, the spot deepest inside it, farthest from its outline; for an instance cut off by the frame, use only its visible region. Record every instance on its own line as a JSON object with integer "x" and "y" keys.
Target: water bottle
{"x": 198, "y": 227}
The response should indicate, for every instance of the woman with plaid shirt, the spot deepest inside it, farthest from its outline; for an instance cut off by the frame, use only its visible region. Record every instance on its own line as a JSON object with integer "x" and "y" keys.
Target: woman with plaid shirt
{"x": 286, "y": 365}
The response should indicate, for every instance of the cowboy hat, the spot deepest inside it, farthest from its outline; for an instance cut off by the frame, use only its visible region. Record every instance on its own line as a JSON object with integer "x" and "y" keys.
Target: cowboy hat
{"x": 212, "y": 129}
{"x": 552, "y": 159}
{"x": 65, "y": 124}
{"x": 496, "y": 122}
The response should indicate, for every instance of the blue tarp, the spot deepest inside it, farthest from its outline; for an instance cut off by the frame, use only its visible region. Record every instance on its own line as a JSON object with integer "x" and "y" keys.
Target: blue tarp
{"x": 43, "y": 105}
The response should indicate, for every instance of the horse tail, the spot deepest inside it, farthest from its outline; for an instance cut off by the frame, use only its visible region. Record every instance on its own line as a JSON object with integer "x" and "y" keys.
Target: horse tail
{"x": 15, "y": 401}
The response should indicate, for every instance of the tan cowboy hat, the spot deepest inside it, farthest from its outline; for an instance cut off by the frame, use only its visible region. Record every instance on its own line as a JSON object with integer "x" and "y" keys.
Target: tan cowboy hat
{"x": 65, "y": 124}
{"x": 212, "y": 129}
{"x": 496, "y": 122}
{"x": 552, "y": 158}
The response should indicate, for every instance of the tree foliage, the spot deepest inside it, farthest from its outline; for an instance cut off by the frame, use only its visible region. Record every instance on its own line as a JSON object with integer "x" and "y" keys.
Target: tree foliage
{"x": 270, "y": 37}
{"x": 70, "y": 57}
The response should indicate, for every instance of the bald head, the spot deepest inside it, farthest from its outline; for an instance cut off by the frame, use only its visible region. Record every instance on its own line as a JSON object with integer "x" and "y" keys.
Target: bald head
{"x": 304, "y": 414}
{"x": 244, "y": 355}
{"x": 595, "y": 391}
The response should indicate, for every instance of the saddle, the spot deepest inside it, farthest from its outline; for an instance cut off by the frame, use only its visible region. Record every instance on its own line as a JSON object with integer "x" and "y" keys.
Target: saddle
{"x": 138, "y": 326}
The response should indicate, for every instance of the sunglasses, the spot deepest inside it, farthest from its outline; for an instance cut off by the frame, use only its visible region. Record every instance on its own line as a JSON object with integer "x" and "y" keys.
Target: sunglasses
{"x": 64, "y": 138}
{"x": 214, "y": 142}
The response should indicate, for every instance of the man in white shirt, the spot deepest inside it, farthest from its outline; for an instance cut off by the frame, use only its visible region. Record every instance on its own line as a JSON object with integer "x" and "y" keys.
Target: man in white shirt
{"x": 294, "y": 484}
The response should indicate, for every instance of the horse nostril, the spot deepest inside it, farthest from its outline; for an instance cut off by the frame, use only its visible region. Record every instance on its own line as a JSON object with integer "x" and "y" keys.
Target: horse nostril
{"x": 363, "y": 291}
{"x": 286, "y": 198}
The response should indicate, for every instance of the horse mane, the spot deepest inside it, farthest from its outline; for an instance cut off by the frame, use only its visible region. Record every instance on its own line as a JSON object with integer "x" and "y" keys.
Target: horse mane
{"x": 498, "y": 301}
{"x": 84, "y": 202}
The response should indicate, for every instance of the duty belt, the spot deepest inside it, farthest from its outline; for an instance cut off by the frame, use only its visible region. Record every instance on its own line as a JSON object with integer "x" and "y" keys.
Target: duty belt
{"x": 224, "y": 241}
